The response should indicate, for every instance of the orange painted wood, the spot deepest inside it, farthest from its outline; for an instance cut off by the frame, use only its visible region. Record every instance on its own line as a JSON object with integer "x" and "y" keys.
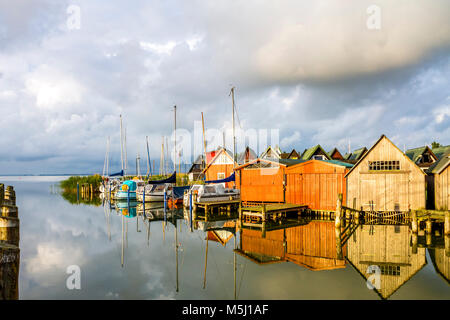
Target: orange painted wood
{"x": 213, "y": 171}
{"x": 264, "y": 185}
{"x": 315, "y": 184}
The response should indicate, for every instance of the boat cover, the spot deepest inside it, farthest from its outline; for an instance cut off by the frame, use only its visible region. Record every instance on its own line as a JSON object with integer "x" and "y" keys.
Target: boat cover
{"x": 178, "y": 192}
{"x": 229, "y": 179}
{"x": 117, "y": 174}
{"x": 171, "y": 179}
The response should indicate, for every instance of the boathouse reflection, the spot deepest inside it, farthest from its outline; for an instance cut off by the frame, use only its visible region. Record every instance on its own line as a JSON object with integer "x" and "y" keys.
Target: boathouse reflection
{"x": 312, "y": 246}
{"x": 388, "y": 248}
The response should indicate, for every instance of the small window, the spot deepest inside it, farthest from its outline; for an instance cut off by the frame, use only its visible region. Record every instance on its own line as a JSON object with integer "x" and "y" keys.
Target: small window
{"x": 318, "y": 157}
{"x": 390, "y": 270}
{"x": 220, "y": 175}
{"x": 384, "y": 165}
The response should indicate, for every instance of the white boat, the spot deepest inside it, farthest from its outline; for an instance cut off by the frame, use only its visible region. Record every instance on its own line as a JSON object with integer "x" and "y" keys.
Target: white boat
{"x": 153, "y": 192}
{"x": 112, "y": 184}
{"x": 211, "y": 193}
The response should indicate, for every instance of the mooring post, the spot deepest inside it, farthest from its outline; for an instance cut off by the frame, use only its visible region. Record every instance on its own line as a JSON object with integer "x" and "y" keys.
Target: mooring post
{"x": 447, "y": 223}
{"x": 414, "y": 241}
{"x": 338, "y": 243}
{"x": 165, "y": 200}
{"x": 447, "y": 245}
{"x": 429, "y": 225}
{"x": 337, "y": 220}
{"x": 240, "y": 215}
{"x": 2, "y": 194}
{"x": 414, "y": 224}
{"x": 190, "y": 209}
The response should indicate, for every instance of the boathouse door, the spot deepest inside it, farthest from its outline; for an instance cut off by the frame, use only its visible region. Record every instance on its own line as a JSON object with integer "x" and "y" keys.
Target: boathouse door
{"x": 384, "y": 191}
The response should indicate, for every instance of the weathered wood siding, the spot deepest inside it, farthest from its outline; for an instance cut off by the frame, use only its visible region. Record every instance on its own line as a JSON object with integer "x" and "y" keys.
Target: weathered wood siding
{"x": 315, "y": 183}
{"x": 442, "y": 189}
{"x": 387, "y": 247}
{"x": 400, "y": 190}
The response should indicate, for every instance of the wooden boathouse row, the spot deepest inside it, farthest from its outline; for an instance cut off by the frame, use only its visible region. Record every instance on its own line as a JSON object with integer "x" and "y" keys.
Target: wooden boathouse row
{"x": 312, "y": 183}
{"x": 9, "y": 244}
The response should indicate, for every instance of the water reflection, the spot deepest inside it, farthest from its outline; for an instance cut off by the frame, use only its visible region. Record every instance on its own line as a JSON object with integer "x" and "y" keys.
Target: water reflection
{"x": 131, "y": 251}
{"x": 388, "y": 248}
{"x": 312, "y": 244}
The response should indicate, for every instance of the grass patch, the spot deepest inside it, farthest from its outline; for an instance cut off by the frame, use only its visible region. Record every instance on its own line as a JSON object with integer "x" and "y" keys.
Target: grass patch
{"x": 70, "y": 184}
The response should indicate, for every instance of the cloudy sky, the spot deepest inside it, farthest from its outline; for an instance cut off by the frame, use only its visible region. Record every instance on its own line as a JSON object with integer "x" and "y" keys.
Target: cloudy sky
{"x": 328, "y": 73}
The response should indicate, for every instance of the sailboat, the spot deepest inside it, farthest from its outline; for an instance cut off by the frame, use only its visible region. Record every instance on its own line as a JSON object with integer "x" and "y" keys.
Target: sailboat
{"x": 110, "y": 184}
{"x": 156, "y": 190}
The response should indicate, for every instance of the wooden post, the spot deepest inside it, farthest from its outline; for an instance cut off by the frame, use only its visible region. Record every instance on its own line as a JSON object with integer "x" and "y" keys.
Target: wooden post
{"x": 447, "y": 223}
{"x": 428, "y": 226}
{"x": 2, "y": 194}
{"x": 447, "y": 245}
{"x": 414, "y": 243}
{"x": 414, "y": 224}
{"x": 240, "y": 215}
{"x": 338, "y": 243}
{"x": 428, "y": 239}
{"x": 337, "y": 220}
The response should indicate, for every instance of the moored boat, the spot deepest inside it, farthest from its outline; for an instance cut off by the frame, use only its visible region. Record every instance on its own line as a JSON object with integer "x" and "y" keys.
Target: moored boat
{"x": 211, "y": 193}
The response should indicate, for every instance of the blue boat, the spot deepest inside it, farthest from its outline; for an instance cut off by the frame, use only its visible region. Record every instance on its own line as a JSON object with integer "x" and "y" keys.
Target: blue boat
{"x": 127, "y": 191}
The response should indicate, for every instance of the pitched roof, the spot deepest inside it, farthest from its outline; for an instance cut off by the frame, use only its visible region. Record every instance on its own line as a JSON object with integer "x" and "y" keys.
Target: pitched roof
{"x": 330, "y": 154}
{"x": 415, "y": 153}
{"x": 372, "y": 147}
{"x": 308, "y": 153}
{"x": 357, "y": 154}
{"x": 441, "y": 151}
{"x": 340, "y": 163}
{"x": 440, "y": 165}
{"x": 249, "y": 153}
{"x": 293, "y": 154}
{"x": 283, "y": 162}
{"x": 197, "y": 162}
{"x": 275, "y": 150}
{"x": 217, "y": 154}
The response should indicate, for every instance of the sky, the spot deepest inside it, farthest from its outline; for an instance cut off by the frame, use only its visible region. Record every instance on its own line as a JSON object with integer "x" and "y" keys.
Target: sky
{"x": 332, "y": 73}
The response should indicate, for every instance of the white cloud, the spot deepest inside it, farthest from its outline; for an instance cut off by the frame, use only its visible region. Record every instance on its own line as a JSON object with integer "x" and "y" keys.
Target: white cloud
{"x": 52, "y": 88}
{"x": 158, "y": 48}
{"x": 441, "y": 113}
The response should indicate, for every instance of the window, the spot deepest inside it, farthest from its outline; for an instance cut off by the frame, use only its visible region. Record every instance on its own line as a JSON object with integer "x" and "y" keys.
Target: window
{"x": 384, "y": 165}
{"x": 318, "y": 157}
{"x": 220, "y": 175}
{"x": 390, "y": 270}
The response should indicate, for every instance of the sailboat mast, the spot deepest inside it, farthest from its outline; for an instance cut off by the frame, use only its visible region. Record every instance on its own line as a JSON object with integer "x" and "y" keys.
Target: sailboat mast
{"x": 121, "y": 142}
{"x": 106, "y": 156}
{"x": 175, "y": 143}
{"x": 125, "y": 152}
{"x": 204, "y": 140}
{"x": 107, "y": 159}
{"x": 149, "y": 170}
{"x": 234, "y": 135}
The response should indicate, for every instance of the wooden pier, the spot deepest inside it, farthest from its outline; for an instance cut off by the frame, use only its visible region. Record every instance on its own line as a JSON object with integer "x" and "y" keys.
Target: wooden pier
{"x": 266, "y": 212}
{"x": 215, "y": 210}
{"x": 9, "y": 244}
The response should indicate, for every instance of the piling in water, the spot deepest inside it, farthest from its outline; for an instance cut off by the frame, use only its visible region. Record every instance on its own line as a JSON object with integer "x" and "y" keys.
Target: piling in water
{"x": 9, "y": 244}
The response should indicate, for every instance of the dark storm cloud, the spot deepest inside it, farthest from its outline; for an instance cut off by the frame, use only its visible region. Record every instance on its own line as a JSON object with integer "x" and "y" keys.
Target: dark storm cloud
{"x": 313, "y": 71}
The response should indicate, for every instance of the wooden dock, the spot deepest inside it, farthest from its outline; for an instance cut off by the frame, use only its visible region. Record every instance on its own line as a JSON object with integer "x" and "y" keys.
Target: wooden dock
{"x": 216, "y": 210}
{"x": 269, "y": 212}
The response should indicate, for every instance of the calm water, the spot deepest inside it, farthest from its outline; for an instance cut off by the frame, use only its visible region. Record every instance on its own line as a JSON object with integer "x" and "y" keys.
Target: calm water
{"x": 293, "y": 263}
